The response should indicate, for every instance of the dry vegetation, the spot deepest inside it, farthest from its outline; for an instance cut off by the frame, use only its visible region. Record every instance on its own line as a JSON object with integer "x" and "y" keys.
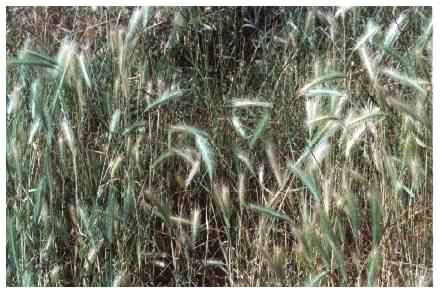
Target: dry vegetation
{"x": 219, "y": 146}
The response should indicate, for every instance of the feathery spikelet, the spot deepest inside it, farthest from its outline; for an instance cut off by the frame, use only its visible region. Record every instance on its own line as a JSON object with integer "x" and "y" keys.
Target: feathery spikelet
{"x": 313, "y": 109}
{"x": 318, "y": 154}
{"x": 69, "y": 136}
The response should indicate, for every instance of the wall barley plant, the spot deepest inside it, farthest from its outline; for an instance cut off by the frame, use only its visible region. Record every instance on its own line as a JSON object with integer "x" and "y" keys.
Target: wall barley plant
{"x": 219, "y": 146}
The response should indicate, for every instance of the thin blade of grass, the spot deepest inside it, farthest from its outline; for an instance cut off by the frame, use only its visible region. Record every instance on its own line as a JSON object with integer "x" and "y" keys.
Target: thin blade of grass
{"x": 374, "y": 264}
{"x": 405, "y": 80}
{"x": 307, "y": 180}
{"x": 321, "y": 79}
{"x": 167, "y": 96}
{"x": 269, "y": 212}
{"x": 261, "y": 126}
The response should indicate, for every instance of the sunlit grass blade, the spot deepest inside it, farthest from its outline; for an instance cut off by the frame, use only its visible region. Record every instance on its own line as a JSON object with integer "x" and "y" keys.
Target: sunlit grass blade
{"x": 395, "y": 29}
{"x": 32, "y": 58}
{"x": 331, "y": 76}
{"x": 324, "y": 92}
{"x": 115, "y": 121}
{"x": 166, "y": 97}
{"x": 405, "y": 80}
{"x": 425, "y": 37}
{"x": 84, "y": 71}
{"x": 368, "y": 63}
{"x": 371, "y": 31}
{"x": 244, "y": 103}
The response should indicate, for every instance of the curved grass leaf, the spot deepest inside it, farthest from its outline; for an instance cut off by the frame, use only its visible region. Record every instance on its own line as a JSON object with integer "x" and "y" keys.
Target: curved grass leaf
{"x": 244, "y": 103}
{"x": 323, "y": 92}
{"x": 405, "y": 80}
{"x": 32, "y": 58}
{"x": 321, "y": 79}
{"x": 307, "y": 180}
{"x": 371, "y": 31}
{"x": 133, "y": 127}
{"x": 261, "y": 126}
{"x": 269, "y": 212}
{"x": 165, "y": 98}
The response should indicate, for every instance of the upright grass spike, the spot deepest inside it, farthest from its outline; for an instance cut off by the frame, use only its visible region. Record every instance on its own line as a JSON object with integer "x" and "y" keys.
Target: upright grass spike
{"x": 115, "y": 121}
{"x": 69, "y": 136}
{"x": 84, "y": 71}
{"x": 274, "y": 164}
{"x": 369, "y": 63}
{"x": 195, "y": 225}
{"x": 318, "y": 154}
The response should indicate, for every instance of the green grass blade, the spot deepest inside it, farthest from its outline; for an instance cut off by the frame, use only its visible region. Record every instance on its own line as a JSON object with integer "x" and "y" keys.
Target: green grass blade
{"x": 374, "y": 264}
{"x": 109, "y": 217}
{"x": 395, "y": 29}
{"x": 38, "y": 201}
{"x": 261, "y": 126}
{"x": 166, "y": 97}
{"x": 405, "y": 80}
{"x": 324, "y": 92}
{"x": 376, "y": 217}
{"x": 331, "y": 76}
{"x": 315, "y": 281}
{"x": 307, "y": 180}
{"x": 269, "y": 212}
{"x": 12, "y": 243}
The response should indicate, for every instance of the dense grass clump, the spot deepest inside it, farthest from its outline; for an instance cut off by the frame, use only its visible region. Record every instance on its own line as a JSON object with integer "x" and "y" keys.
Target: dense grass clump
{"x": 219, "y": 146}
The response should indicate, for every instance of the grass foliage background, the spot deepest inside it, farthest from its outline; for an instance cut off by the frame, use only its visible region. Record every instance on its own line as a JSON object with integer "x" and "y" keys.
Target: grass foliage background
{"x": 219, "y": 146}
